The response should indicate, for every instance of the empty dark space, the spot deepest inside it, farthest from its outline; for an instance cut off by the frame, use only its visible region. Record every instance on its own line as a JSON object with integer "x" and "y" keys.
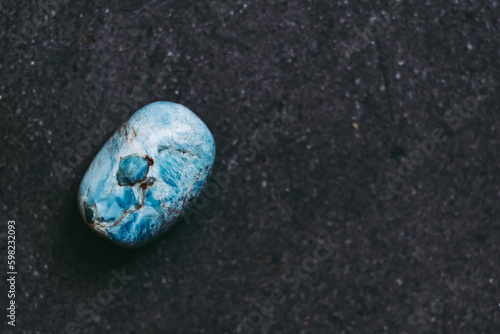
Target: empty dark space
{"x": 387, "y": 150}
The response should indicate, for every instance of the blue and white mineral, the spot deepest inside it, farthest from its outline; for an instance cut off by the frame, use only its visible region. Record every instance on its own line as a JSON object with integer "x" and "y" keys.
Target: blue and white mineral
{"x": 146, "y": 174}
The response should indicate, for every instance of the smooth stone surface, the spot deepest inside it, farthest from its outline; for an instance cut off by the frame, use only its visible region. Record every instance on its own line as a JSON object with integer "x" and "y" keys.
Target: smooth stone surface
{"x": 146, "y": 174}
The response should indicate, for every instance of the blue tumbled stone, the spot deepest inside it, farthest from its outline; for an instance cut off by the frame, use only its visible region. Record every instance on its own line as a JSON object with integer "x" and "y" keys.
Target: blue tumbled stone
{"x": 146, "y": 174}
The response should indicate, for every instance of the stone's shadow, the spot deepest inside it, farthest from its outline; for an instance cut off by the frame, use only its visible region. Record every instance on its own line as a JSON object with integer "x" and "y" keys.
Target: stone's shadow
{"x": 80, "y": 252}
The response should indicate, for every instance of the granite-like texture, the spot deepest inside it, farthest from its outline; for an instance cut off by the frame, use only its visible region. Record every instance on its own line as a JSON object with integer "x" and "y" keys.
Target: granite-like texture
{"x": 146, "y": 174}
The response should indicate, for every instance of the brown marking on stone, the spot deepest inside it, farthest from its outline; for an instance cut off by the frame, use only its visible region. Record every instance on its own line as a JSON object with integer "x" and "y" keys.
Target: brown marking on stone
{"x": 149, "y": 160}
{"x": 122, "y": 129}
{"x": 148, "y": 182}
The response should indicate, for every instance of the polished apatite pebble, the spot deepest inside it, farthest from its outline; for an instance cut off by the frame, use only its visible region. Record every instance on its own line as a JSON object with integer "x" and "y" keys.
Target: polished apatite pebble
{"x": 146, "y": 174}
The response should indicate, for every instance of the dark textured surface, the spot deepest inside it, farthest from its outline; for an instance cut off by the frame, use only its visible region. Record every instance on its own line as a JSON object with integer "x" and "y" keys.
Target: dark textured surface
{"x": 323, "y": 175}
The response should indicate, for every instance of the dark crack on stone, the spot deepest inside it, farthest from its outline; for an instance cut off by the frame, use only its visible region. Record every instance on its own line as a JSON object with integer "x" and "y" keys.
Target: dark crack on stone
{"x": 148, "y": 182}
{"x": 89, "y": 213}
{"x": 149, "y": 160}
{"x": 126, "y": 213}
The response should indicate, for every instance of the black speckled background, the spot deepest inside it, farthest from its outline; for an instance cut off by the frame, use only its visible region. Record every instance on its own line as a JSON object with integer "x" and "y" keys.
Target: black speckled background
{"x": 90, "y": 64}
